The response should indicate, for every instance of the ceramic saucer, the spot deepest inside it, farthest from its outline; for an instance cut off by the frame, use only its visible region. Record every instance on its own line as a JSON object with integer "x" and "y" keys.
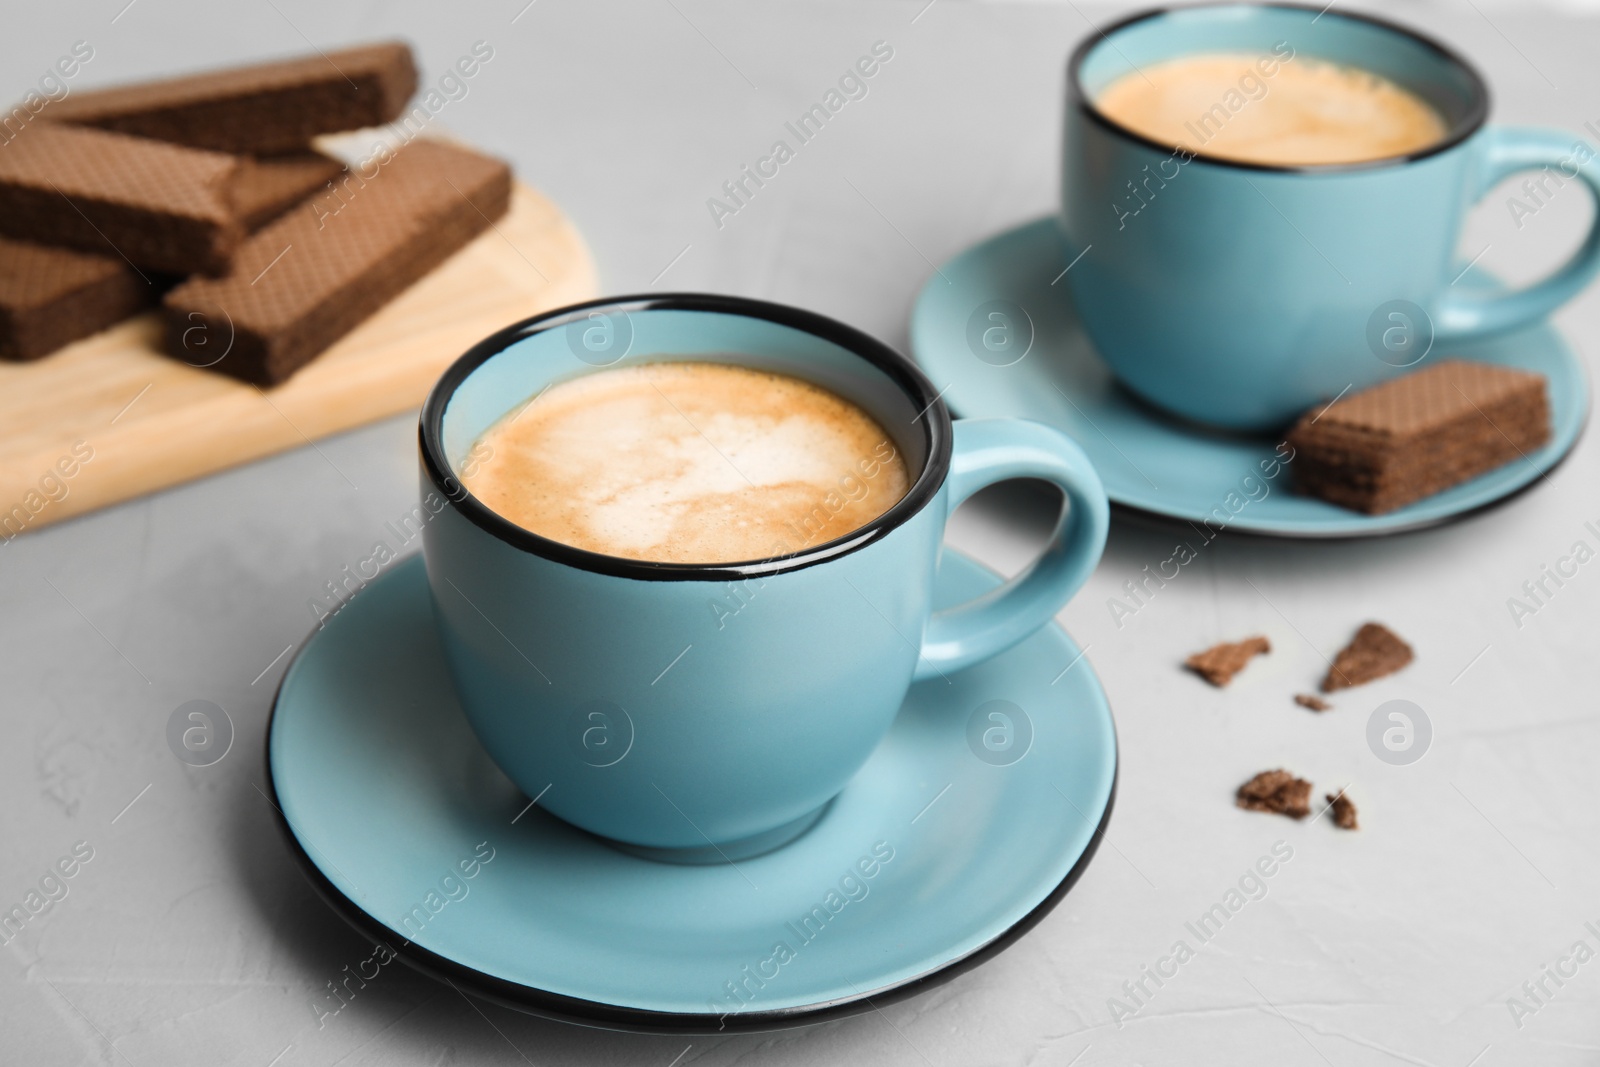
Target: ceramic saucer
{"x": 970, "y": 821}
{"x": 1158, "y": 465}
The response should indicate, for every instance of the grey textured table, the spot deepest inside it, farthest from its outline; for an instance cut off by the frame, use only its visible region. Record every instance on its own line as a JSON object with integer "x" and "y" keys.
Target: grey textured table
{"x": 189, "y": 937}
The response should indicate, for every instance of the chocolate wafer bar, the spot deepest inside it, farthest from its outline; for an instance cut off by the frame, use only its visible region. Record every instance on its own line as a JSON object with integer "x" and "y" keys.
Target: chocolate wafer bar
{"x": 271, "y": 185}
{"x": 161, "y": 206}
{"x": 50, "y": 297}
{"x": 307, "y": 280}
{"x": 1398, "y": 442}
{"x": 261, "y": 109}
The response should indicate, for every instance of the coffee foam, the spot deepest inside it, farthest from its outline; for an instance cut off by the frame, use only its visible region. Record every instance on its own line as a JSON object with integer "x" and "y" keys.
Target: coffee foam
{"x": 688, "y": 463}
{"x": 1263, "y": 109}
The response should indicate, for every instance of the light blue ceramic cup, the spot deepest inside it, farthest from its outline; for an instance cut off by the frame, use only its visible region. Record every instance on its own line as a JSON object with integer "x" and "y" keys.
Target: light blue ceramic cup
{"x": 711, "y": 712}
{"x": 1239, "y": 294}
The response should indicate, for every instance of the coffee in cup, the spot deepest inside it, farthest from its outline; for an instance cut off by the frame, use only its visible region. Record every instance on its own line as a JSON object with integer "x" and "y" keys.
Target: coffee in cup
{"x": 1276, "y": 109}
{"x": 688, "y": 463}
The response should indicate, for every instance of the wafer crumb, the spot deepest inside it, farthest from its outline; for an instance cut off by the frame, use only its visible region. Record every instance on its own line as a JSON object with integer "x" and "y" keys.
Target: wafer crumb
{"x": 1219, "y": 663}
{"x": 1278, "y": 792}
{"x": 1344, "y": 811}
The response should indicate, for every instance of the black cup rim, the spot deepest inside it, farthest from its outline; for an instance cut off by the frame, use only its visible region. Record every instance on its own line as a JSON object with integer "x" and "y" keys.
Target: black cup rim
{"x": 934, "y": 420}
{"x": 1471, "y": 122}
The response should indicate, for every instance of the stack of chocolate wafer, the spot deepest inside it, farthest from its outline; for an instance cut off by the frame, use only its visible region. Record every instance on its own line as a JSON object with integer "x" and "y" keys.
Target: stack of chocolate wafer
{"x": 205, "y": 193}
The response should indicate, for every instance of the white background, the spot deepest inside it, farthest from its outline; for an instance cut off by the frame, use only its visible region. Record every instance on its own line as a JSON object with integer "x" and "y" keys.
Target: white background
{"x": 190, "y": 937}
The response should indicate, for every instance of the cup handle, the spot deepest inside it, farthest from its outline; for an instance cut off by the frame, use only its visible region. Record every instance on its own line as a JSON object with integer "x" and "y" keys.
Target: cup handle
{"x": 1460, "y": 316}
{"x": 987, "y": 451}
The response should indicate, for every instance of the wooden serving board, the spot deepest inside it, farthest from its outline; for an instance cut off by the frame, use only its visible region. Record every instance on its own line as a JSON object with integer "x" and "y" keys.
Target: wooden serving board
{"x": 149, "y": 421}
